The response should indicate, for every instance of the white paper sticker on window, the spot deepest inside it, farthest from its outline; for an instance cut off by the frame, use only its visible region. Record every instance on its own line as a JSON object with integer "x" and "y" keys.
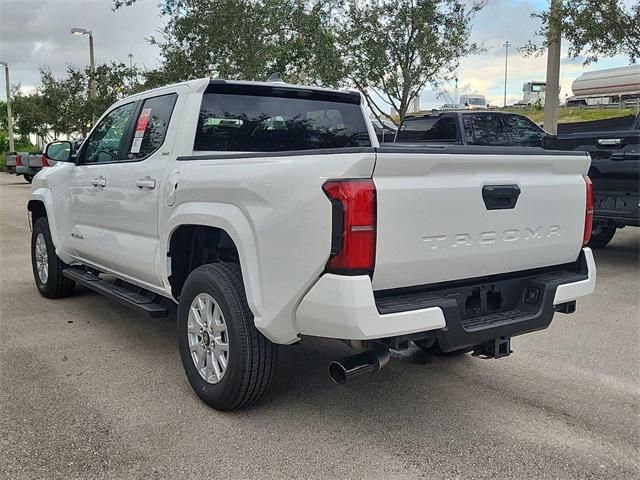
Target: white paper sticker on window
{"x": 136, "y": 145}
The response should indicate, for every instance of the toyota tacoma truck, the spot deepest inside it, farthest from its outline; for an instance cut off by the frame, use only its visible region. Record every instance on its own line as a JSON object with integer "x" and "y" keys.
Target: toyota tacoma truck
{"x": 268, "y": 212}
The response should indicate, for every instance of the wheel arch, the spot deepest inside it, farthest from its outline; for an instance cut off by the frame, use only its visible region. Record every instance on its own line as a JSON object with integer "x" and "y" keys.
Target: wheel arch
{"x": 37, "y": 209}
{"x": 226, "y": 230}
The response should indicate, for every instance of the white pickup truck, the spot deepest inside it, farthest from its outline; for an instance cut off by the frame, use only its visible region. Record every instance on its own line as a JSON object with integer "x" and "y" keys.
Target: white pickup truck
{"x": 269, "y": 211}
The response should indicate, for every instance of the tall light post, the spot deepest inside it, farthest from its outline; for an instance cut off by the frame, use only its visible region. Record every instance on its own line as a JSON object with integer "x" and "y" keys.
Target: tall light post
{"x": 455, "y": 95}
{"x": 12, "y": 146}
{"x": 92, "y": 80}
{"x": 506, "y": 58}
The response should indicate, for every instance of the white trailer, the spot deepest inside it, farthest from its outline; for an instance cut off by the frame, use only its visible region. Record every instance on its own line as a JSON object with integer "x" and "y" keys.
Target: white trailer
{"x": 606, "y": 87}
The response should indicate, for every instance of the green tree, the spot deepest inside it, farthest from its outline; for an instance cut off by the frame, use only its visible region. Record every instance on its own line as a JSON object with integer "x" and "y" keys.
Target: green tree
{"x": 388, "y": 49}
{"x": 595, "y": 28}
{"x": 3, "y": 116}
{"x": 28, "y": 114}
{"x": 246, "y": 39}
{"x": 392, "y": 48}
{"x": 65, "y": 101}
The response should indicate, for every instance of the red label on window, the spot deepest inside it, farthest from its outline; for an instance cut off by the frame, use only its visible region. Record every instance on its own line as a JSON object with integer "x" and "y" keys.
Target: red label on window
{"x": 143, "y": 121}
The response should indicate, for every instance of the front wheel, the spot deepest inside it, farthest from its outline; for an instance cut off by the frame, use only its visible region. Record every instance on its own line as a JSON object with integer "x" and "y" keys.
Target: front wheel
{"x": 602, "y": 233}
{"x": 28, "y": 178}
{"x": 47, "y": 267}
{"x": 228, "y": 362}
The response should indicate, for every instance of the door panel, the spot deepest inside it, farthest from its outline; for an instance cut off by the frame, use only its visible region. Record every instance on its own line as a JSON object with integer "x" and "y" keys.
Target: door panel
{"x": 135, "y": 185}
{"x": 87, "y": 208}
{"x": 90, "y": 179}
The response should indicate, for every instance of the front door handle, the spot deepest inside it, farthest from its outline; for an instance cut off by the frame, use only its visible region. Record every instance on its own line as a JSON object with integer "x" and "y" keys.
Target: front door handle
{"x": 99, "y": 181}
{"x": 146, "y": 182}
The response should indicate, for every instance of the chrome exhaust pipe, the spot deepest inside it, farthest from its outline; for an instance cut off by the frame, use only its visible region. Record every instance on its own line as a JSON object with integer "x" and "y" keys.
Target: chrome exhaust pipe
{"x": 360, "y": 365}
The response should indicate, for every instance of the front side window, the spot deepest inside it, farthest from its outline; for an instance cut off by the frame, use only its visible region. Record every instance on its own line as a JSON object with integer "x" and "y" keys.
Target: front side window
{"x": 272, "y": 122}
{"x": 484, "y": 129}
{"x": 523, "y": 132}
{"x": 151, "y": 126}
{"x": 105, "y": 141}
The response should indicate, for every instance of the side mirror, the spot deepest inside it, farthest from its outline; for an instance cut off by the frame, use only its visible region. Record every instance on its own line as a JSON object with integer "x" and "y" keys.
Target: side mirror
{"x": 59, "y": 151}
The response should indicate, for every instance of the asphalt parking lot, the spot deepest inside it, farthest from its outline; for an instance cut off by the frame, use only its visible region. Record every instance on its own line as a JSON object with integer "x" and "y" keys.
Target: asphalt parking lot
{"x": 89, "y": 389}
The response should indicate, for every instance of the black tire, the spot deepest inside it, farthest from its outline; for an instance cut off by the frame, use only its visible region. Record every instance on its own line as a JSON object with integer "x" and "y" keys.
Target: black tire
{"x": 28, "y": 178}
{"x": 56, "y": 285}
{"x": 251, "y": 358}
{"x": 433, "y": 348}
{"x": 602, "y": 233}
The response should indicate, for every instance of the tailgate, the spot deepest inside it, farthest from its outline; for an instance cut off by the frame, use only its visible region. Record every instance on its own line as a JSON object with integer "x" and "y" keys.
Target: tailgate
{"x": 448, "y": 216}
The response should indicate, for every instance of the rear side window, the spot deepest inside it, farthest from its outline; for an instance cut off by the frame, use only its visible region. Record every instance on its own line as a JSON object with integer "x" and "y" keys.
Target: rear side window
{"x": 428, "y": 129}
{"x": 278, "y": 122}
{"x": 151, "y": 126}
{"x": 484, "y": 129}
{"x": 523, "y": 132}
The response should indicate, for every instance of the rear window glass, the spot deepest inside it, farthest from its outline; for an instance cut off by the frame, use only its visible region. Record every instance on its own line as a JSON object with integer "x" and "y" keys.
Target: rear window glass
{"x": 428, "y": 129}
{"x": 262, "y": 123}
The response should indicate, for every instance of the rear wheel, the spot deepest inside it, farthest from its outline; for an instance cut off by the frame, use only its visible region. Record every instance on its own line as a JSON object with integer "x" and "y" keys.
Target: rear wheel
{"x": 47, "y": 267}
{"x": 228, "y": 362}
{"x": 28, "y": 178}
{"x": 602, "y": 233}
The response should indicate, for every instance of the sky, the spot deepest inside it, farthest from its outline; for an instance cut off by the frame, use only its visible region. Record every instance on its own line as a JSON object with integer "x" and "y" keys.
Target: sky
{"x": 35, "y": 33}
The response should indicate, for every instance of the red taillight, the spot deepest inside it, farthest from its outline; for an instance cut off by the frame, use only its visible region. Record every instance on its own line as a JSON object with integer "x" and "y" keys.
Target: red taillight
{"x": 588, "y": 215}
{"x": 353, "y": 241}
{"x": 45, "y": 160}
{"x": 18, "y": 160}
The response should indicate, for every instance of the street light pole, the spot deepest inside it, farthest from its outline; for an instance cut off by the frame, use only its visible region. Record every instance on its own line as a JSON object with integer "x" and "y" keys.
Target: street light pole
{"x": 12, "y": 147}
{"x": 455, "y": 100}
{"x": 92, "y": 65}
{"x": 506, "y": 57}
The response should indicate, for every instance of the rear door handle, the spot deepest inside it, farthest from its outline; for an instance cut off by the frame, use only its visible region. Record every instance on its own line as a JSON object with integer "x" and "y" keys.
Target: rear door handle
{"x": 146, "y": 182}
{"x": 99, "y": 181}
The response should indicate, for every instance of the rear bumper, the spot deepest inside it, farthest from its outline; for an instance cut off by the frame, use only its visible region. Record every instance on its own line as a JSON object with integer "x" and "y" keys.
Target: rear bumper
{"x": 345, "y": 307}
{"x": 621, "y": 207}
{"x": 22, "y": 170}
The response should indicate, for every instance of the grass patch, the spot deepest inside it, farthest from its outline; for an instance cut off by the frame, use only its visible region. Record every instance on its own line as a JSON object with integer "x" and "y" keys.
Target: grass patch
{"x": 572, "y": 115}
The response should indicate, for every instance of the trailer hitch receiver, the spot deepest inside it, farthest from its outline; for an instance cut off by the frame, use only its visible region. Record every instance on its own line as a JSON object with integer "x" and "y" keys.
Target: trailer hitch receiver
{"x": 496, "y": 348}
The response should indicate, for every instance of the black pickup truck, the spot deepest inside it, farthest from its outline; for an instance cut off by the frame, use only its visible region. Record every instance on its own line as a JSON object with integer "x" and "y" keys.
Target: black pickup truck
{"x": 469, "y": 127}
{"x": 614, "y": 147}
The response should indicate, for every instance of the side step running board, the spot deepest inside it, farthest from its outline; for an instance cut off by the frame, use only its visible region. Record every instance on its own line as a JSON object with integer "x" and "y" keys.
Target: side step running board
{"x": 118, "y": 293}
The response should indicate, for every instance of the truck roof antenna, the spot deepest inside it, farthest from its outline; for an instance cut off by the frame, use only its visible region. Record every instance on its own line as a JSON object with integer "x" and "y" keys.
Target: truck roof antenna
{"x": 275, "y": 77}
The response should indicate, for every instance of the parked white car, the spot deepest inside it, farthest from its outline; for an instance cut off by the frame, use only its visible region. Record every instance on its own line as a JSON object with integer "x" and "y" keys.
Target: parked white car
{"x": 268, "y": 212}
